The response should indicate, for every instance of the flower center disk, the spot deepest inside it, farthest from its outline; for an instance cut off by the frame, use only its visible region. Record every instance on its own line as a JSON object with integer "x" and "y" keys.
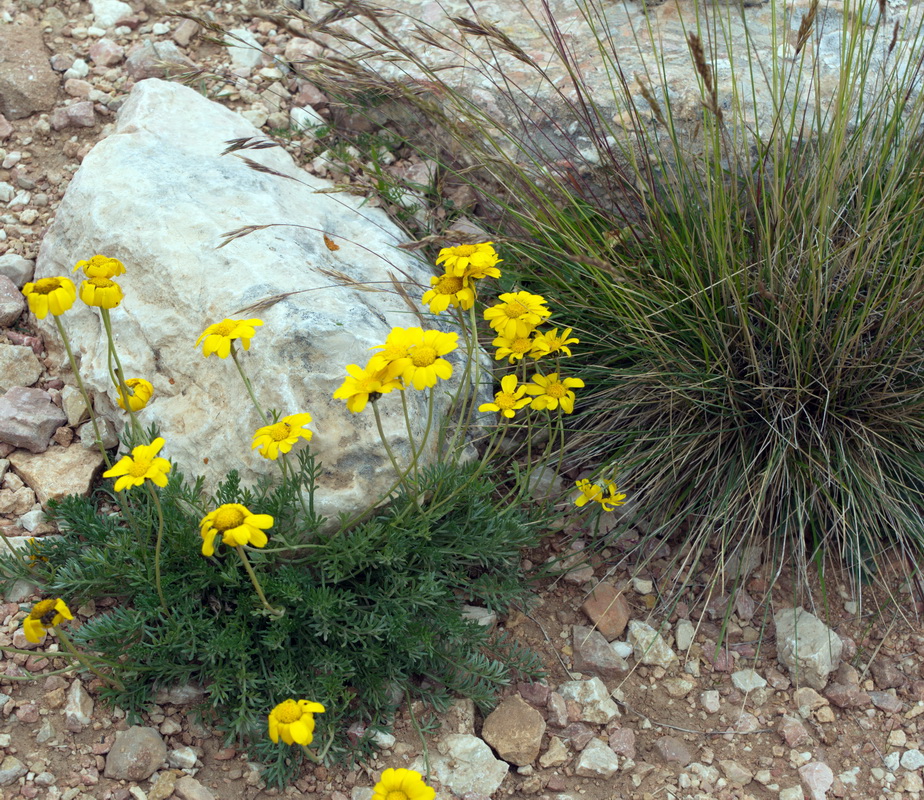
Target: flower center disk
{"x": 280, "y": 431}
{"x": 139, "y": 467}
{"x": 423, "y": 356}
{"x": 226, "y": 519}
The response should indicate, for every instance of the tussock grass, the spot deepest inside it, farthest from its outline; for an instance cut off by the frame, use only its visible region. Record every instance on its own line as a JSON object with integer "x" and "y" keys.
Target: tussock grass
{"x": 747, "y": 283}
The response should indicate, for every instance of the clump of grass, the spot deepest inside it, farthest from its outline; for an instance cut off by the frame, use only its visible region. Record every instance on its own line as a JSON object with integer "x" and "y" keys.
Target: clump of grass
{"x": 748, "y": 293}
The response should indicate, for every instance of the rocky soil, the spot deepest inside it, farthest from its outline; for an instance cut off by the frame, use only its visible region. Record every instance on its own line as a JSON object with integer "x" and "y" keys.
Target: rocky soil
{"x": 639, "y": 701}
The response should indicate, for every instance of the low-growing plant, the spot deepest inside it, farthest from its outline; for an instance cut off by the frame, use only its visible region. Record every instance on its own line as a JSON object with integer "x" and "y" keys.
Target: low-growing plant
{"x": 280, "y": 614}
{"x": 747, "y": 291}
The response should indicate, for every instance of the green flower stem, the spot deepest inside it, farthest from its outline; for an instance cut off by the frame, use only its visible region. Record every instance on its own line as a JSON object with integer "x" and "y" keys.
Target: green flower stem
{"x": 157, "y": 547}
{"x": 467, "y": 397}
{"x": 118, "y": 376}
{"x": 83, "y": 391}
{"x": 289, "y": 473}
{"x": 276, "y": 612}
{"x": 123, "y": 503}
{"x": 69, "y": 645}
{"x": 247, "y": 385}
{"x": 402, "y": 475}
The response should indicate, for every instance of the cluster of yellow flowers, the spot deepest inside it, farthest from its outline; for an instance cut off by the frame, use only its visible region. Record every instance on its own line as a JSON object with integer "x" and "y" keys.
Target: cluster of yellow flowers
{"x": 410, "y": 357}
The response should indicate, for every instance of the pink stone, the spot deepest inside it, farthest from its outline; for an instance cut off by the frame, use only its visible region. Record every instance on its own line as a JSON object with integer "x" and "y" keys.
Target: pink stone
{"x": 106, "y": 52}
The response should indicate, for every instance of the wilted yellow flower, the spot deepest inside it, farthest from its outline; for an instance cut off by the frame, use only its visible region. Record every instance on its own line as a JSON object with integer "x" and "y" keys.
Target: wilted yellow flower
{"x": 280, "y": 436}
{"x": 54, "y": 295}
{"x": 550, "y": 392}
{"x": 236, "y": 525}
{"x": 515, "y": 348}
{"x": 473, "y": 261}
{"x": 402, "y": 784}
{"x": 509, "y": 399}
{"x": 218, "y": 337}
{"x": 142, "y": 392}
{"x": 293, "y": 721}
{"x": 550, "y": 342}
{"x": 101, "y": 267}
{"x": 425, "y": 366}
{"x": 44, "y": 616}
{"x": 517, "y": 314}
{"x": 101, "y": 293}
{"x": 363, "y": 384}
{"x": 143, "y": 464}
{"x": 607, "y": 495}
{"x": 449, "y": 290}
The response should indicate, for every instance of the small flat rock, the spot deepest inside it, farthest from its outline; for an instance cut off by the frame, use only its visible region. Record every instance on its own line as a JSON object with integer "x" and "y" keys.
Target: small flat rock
{"x": 536, "y": 694}
{"x": 59, "y": 471}
{"x": 18, "y": 269}
{"x": 735, "y": 773}
{"x": 28, "y": 84}
{"x": 464, "y": 763}
{"x": 607, "y": 608}
{"x": 162, "y": 787}
{"x": 678, "y": 687}
{"x": 182, "y": 758}
{"x": 649, "y": 646}
{"x": 710, "y": 702}
{"x": 106, "y": 13}
{"x": 912, "y": 759}
{"x": 887, "y": 675}
{"x": 807, "y": 699}
{"x": 514, "y": 729}
{"x": 28, "y": 418}
{"x": 180, "y": 694}
{"x": 12, "y": 302}
{"x": 11, "y": 769}
{"x": 578, "y": 735}
{"x": 136, "y": 754}
{"x": 596, "y": 761}
{"x": 594, "y": 655}
{"x": 18, "y": 366}
{"x": 594, "y": 698}
{"x": 188, "y": 788}
{"x": 817, "y": 778}
{"x": 78, "y": 707}
{"x": 886, "y": 701}
{"x": 684, "y": 631}
{"x": 747, "y": 680}
{"x": 807, "y": 647}
{"x": 555, "y": 755}
{"x": 847, "y": 696}
{"x": 622, "y": 742}
{"x": 672, "y": 750}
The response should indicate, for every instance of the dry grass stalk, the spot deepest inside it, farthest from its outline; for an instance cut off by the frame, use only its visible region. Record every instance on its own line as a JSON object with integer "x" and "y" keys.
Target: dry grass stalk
{"x": 650, "y": 99}
{"x": 705, "y": 72}
{"x": 805, "y": 26}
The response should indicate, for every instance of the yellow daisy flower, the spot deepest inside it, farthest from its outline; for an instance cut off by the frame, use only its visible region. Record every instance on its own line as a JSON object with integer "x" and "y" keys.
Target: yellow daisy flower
{"x": 402, "y": 784}
{"x": 470, "y": 260}
{"x": 509, "y": 399}
{"x": 281, "y": 436}
{"x": 143, "y": 464}
{"x": 550, "y": 342}
{"x": 363, "y": 384}
{"x": 220, "y": 336}
{"x": 101, "y": 293}
{"x": 514, "y": 348}
{"x": 45, "y": 615}
{"x": 607, "y": 495}
{"x": 550, "y": 392}
{"x": 517, "y": 314}
{"x": 142, "y": 392}
{"x": 395, "y": 354}
{"x": 236, "y": 525}
{"x": 293, "y": 721}
{"x": 101, "y": 267}
{"x": 426, "y": 366}
{"x": 54, "y": 295}
{"x": 449, "y": 290}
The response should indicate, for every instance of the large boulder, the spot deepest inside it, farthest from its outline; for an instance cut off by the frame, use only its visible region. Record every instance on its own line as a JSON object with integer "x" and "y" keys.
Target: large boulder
{"x": 158, "y": 194}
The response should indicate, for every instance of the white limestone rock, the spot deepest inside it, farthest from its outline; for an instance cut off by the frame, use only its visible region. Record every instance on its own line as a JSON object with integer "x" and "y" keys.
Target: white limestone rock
{"x": 158, "y": 195}
{"x": 465, "y": 764}
{"x": 807, "y": 647}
